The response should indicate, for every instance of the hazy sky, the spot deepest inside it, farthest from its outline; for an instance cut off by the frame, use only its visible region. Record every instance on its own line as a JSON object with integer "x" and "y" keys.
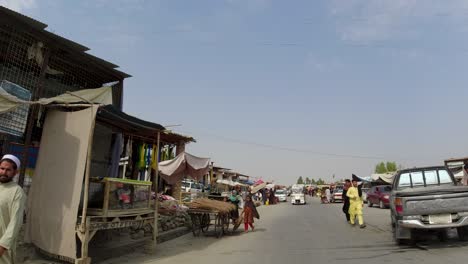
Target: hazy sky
{"x": 281, "y": 89}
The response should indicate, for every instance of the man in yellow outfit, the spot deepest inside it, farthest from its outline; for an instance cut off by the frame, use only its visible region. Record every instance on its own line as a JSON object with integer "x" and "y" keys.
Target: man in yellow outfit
{"x": 355, "y": 207}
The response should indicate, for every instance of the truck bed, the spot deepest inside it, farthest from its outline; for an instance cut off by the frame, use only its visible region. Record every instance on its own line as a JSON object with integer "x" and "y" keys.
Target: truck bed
{"x": 434, "y": 200}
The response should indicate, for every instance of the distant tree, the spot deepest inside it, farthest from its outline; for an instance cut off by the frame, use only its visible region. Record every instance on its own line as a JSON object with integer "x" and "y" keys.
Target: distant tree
{"x": 384, "y": 167}
{"x": 391, "y": 166}
{"x": 300, "y": 180}
{"x": 320, "y": 181}
{"x": 307, "y": 181}
{"x": 313, "y": 181}
{"x": 380, "y": 168}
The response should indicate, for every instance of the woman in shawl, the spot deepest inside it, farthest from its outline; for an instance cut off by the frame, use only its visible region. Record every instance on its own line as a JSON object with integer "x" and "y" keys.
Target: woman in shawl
{"x": 272, "y": 197}
{"x": 250, "y": 211}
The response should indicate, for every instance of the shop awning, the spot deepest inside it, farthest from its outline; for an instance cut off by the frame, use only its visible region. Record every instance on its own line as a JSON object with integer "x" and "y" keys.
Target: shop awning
{"x": 113, "y": 117}
{"x": 184, "y": 165}
{"x": 101, "y": 95}
{"x": 384, "y": 177}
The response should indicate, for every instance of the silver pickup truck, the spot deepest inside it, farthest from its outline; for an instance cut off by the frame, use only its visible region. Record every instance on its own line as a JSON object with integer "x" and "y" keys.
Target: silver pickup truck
{"x": 427, "y": 199}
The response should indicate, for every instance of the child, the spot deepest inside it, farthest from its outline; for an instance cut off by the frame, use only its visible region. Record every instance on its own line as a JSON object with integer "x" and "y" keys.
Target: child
{"x": 249, "y": 213}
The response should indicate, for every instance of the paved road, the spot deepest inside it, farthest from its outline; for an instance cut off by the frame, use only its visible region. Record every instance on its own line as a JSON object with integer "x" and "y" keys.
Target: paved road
{"x": 313, "y": 233}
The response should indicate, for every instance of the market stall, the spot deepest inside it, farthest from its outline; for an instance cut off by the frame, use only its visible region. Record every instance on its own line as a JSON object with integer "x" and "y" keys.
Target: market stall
{"x": 78, "y": 186}
{"x": 182, "y": 166}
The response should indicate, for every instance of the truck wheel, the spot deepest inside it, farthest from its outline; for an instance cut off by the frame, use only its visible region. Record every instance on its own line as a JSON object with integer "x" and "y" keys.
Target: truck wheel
{"x": 381, "y": 205}
{"x": 400, "y": 241}
{"x": 462, "y": 233}
{"x": 369, "y": 204}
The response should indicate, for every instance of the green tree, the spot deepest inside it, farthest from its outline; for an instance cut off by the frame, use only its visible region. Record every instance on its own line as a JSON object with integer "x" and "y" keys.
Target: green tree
{"x": 313, "y": 181}
{"x": 320, "y": 181}
{"x": 307, "y": 180}
{"x": 300, "y": 180}
{"x": 384, "y": 167}
{"x": 391, "y": 166}
{"x": 380, "y": 168}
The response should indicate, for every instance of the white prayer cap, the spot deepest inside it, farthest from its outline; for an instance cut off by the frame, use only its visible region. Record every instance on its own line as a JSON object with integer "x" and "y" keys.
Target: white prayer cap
{"x": 12, "y": 158}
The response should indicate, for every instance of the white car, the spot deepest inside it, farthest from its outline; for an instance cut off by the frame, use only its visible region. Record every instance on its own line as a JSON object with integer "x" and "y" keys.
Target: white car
{"x": 281, "y": 195}
{"x": 191, "y": 186}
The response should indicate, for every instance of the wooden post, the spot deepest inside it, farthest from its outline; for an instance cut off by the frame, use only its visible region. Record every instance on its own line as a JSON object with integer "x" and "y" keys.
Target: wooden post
{"x": 105, "y": 208}
{"x": 177, "y": 186}
{"x": 156, "y": 201}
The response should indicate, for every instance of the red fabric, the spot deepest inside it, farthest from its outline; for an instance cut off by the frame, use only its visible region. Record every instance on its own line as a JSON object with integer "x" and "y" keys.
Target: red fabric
{"x": 248, "y": 215}
{"x": 246, "y": 226}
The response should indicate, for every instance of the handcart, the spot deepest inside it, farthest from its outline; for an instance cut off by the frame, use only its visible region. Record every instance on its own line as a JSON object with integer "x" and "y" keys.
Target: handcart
{"x": 202, "y": 219}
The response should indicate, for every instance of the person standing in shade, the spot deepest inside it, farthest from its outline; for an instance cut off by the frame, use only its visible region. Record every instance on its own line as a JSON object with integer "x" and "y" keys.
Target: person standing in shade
{"x": 355, "y": 206}
{"x": 12, "y": 203}
{"x": 346, "y": 199}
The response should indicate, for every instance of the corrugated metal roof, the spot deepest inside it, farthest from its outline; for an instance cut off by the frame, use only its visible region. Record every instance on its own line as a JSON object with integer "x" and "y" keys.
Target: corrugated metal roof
{"x": 63, "y": 43}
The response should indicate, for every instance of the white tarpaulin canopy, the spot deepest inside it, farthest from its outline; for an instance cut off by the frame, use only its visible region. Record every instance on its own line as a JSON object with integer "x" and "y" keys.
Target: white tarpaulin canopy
{"x": 101, "y": 95}
{"x": 230, "y": 183}
{"x": 183, "y": 165}
{"x": 386, "y": 177}
{"x": 257, "y": 188}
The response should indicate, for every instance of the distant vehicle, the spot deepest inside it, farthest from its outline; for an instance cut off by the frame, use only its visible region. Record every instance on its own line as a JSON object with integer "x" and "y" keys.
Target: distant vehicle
{"x": 379, "y": 195}
{"x": 281, "y": 195}
{"x": 427, "y": 199}
{"x": 337, "y": 195}
{"x": 297, "y": 195}
{"x": 364, "y": 194}
{"x": 191, "y": 186}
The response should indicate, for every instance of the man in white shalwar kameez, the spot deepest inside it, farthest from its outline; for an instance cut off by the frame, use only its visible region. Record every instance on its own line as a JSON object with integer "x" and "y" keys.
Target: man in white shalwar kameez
{"x": 12, "y": 203}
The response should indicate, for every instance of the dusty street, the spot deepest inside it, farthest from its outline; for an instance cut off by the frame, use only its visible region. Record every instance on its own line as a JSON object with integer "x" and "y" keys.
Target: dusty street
{"x": 314, "y": 233}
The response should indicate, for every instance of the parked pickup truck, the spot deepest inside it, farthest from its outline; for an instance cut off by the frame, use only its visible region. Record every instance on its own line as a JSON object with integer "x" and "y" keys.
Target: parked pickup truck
{"x": 427, "y": 199}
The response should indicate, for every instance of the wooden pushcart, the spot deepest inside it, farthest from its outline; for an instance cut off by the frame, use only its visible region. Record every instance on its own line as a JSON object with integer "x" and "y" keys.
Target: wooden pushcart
{"x": 202, "y": 219}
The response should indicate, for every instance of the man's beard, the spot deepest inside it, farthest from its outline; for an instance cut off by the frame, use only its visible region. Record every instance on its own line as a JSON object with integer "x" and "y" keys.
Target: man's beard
{"x": 5, "y": 178}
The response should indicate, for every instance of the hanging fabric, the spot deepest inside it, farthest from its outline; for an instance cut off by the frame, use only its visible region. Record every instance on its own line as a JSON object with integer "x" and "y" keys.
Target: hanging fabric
{"x": 115, "y": 158}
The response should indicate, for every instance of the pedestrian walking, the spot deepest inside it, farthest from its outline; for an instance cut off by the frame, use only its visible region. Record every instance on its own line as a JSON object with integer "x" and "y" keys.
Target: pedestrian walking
{"x": 249, "y": 212}
{"x": 328, "y": 195}
{"x": 346, "y": 199}
{"x": 355, "y": 207}
{"x": 265, "y": 196}
{"x": 12, "y": 203}
{"x": 272, "y": 197}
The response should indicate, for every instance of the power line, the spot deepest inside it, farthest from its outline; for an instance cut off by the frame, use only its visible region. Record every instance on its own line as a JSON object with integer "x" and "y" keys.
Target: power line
{"x": 290, "y": 149}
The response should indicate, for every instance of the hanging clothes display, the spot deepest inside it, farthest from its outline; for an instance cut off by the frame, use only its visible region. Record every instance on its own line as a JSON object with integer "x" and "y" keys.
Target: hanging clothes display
{"x": 141, "y": 157}
{"x": 115, "y": 158}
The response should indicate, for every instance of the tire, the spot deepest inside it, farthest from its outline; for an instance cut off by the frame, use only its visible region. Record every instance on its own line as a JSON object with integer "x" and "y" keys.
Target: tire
{"x": 369, "y": 204}
{"x": 381, "y": 205}
{"x": 463, "y": 233}
{"x": 399, "y": 241}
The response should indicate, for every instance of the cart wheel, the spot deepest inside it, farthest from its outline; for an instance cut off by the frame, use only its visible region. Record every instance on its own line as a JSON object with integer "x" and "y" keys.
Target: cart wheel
{"x": 196, "y": 227}
{"x": 219, "y": 226}
{"x": 226, "y": 220}
{"x": 205, "y": 222}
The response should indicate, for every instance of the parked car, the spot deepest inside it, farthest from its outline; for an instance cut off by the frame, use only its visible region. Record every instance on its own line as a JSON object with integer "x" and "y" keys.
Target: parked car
{"x": 379, "y": 195}
{"x": 191, "y": 186}
{"x": 337, "y": 195}
{"x": 281, "y": 195}
{"x": 427, "y": 199}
